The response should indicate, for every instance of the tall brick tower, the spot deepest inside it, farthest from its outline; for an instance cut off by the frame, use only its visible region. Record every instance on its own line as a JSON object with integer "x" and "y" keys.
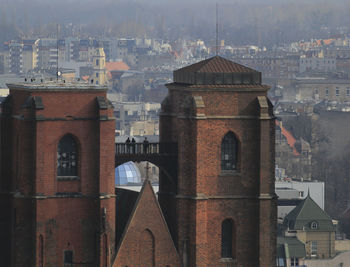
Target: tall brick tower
{"x": 221, "y": 206}
{"x": 57, "y": 176}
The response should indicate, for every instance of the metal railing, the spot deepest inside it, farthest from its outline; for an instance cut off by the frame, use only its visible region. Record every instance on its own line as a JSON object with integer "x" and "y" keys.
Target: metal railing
{"x": 145, "y": 148}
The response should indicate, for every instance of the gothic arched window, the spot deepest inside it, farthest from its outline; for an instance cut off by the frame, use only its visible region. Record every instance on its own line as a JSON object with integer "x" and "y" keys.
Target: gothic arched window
{"x": 229, "y": 147}
{"x": 67, "y": 156}
{"x": 227, "y": 239}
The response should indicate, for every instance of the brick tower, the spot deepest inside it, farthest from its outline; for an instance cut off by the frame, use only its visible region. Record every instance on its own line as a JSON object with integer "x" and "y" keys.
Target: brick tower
{"x": 57, "y": 176}
{"x": 221, "y": 206}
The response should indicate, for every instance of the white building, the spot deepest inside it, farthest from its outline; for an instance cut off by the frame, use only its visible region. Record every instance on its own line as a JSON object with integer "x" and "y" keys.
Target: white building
{"x": 290, "y": 193}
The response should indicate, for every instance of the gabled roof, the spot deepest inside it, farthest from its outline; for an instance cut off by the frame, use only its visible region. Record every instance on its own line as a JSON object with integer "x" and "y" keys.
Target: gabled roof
{"x": 301, "y": 217}
{"x": 146, "y": 216}
{"x": 216, "y": 64}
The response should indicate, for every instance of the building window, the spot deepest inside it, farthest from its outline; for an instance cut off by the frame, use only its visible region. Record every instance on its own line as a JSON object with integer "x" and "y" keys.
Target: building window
{"x": 97, "y": 62}
{"x": 96, "y": 74}
{"x": 227, "y": 238}
{"x": 294, "y": 262}
{"x": 96, "y": 82}
{"x": 348, "y": 91}
{"x": 67, "y": 156}
{"x": 280, "y": 262}
{"x": 337, "y": 91}
{"x": 313, "y": 248}
{"x": 316, "y": 91}
{"x": 229, "y": 147}
{"x": 327, "y": 91}
{"x": 68, "y": 257}
{"x": 314, "y": 225}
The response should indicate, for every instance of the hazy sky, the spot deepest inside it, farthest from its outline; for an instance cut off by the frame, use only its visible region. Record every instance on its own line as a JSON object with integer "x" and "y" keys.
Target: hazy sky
{"x": 285, "y": 18}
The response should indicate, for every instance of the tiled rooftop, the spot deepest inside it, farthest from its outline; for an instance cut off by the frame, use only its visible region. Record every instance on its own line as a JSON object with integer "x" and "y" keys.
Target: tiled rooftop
{"x": 216, "y": 64}
{"x": 217, "y": 71}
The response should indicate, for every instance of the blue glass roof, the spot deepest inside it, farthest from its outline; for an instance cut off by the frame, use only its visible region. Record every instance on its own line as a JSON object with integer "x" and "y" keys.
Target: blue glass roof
{"x": 127, "y": 173}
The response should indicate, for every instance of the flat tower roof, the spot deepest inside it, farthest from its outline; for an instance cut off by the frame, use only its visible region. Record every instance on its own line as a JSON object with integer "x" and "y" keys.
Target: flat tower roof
{"x": 55, "y": 86}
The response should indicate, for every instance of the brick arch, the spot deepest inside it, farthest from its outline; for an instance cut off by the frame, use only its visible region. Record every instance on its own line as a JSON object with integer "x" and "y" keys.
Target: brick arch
{"x": 147, "y": 248}
{"x": 76, "y": 139}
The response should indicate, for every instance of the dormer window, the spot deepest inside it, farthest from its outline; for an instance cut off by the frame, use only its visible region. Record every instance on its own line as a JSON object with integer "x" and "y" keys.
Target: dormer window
{"x": 314, "y": 225}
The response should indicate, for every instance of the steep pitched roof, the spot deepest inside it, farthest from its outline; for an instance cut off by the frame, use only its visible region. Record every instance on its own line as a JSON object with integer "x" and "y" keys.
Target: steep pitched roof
{"x": 289, "y": 136}
{"x": 147, "y": 217}
{"x": 301, "y": 217}
{"x": 216, "y": 64}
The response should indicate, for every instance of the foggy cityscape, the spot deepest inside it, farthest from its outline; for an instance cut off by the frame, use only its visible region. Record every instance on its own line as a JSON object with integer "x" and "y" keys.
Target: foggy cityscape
{"x": 204, "y": 133}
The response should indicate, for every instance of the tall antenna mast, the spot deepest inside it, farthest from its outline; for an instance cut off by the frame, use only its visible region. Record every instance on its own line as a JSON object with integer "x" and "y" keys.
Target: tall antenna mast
{"x": 57, "y": 53}
{"x": 217, "y": 30}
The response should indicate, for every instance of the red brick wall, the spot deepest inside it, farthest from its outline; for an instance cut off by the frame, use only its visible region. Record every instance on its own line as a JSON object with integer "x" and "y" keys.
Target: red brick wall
{"x": 205, "y": 196}
{"x": 68, "y": 214}
{"x": 146, "y": 241}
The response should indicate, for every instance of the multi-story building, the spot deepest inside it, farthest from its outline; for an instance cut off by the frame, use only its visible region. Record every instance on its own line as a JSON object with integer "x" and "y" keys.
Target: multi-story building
{"x": 98, "y": 76}
{"x": 29, "y": 55}
{"x": 312, "y": 226}
{"x": 48, "y": 56}
{"x": 322, "y": 89}
{"x": 324, "y": 64}
{"x": 21, "y": 56}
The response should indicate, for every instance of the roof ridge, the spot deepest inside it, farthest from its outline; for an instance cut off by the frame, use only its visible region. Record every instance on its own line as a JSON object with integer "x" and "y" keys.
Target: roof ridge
{"x": 302, "y": 204}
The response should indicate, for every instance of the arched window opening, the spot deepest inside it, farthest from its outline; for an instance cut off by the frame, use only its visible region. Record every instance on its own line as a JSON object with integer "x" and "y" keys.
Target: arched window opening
{"x": 229, "y": 147}
{"x": 67, "y": 156}
{"x": 41, "y": 251}
{"x": 314, "y": 225}
{"x": 227, "y": 239}
{"x": 147, "y": 249}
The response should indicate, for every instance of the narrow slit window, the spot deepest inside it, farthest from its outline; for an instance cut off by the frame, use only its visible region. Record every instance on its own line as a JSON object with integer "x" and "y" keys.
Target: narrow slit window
{"x": 227, "y": 239}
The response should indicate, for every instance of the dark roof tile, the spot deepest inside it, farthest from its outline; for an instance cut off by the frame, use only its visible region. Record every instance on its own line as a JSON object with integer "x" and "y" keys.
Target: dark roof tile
{"x": 216, "y": 64}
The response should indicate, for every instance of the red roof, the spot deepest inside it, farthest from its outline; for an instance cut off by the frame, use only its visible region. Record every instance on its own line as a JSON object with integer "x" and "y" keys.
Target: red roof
{"x": 290, "y": 138}
{"x": 119, "y": 65}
